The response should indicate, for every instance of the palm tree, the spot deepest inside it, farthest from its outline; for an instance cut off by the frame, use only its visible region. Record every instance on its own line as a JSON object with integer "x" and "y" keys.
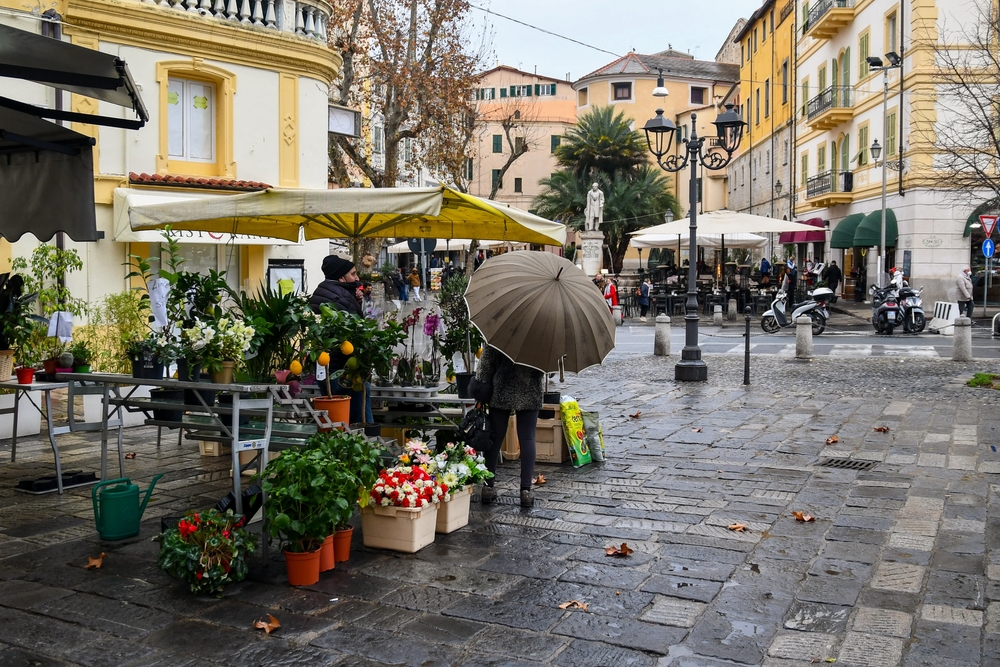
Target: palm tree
{"x": 601, "y": 141}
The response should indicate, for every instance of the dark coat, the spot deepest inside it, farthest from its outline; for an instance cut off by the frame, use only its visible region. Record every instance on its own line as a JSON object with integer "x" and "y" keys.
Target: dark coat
{"x": 833, "y": 276}
{"x": 644, "y": 294}
{"x": 339, "y": 295}
{"x": 515, "y": 387}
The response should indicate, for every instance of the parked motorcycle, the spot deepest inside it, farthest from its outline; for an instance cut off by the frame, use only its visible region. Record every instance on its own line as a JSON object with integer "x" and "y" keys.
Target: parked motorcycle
{"x": 914, "y": 320}
{"x": 886, "y": 312}
{"x": 776, "y": 318}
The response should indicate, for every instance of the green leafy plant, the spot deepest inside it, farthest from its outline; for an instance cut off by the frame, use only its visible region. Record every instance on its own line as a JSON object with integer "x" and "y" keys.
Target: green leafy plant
{"x": 19, "y": 328}
{"x": 298, "y": 486}
{"x": 983, "y": 380}
{"x": 460, "y": 335}
{"x": 371, "y": 345}
{"x": 360, "y": 457}
{"x": 279, "y": 321}
{"x": 207, "y": 550}
{"x": 115, "y": 323}
{"x": 82, "y": 356}
{"x": 43, "y": 272}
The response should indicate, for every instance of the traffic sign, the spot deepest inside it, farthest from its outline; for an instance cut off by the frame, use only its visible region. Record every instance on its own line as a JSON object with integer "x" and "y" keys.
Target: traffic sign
{"x": 988, "y": 248}
{"x": 989, "y": 223}
{"x": 418, "y": 246}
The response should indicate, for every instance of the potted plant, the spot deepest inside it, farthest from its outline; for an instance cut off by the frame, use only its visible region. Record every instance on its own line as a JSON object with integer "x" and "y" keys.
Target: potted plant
{"x": 297, "y": 485}
{"x": 16, "y": 320}
{"x": 460, "y": 336}
{"x": 207, "y": 550}
{"x": 82, "y": 357}
{"x": 457, "y": 468}
{"x": 402, "y": 514}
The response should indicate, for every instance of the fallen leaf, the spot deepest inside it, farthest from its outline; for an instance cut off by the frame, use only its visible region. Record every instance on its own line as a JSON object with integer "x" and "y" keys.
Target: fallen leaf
{"x": 624, "y": 550}
{"x": 574, "y": 604}
{"x": 738, "y": 527}
{"x": 95, "y": 563}
{"x": 539, "y": 480}
{"x": 799, "y": 516}
{"x": 130, "y": 455}
{"x": 697, "y": 430}
{"x": 881, "y": 429}
{"x": 269, "y": 625}
{"x": 832, "y": 439}
{"x": 618, "y": 592}
{"x": 636, "y": 415}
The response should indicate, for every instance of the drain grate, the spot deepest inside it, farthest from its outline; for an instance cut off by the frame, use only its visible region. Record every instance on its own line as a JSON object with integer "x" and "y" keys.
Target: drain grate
{"x": 847, "y": 464}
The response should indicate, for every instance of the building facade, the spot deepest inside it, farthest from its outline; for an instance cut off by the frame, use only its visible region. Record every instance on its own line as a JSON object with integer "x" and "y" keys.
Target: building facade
{"x": 238, "y": 100}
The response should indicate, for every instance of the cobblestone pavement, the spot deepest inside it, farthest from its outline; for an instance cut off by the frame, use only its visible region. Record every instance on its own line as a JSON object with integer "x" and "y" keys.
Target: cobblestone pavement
{"x": 900, "y": 567}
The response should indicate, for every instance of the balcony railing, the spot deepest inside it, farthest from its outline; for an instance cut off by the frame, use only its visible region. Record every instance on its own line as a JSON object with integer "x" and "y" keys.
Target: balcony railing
{"x": 834, "y": 97}
{"x": 829, "y": 181}
{"x": 821, "y": 9}
{"x": 307, "y": 19}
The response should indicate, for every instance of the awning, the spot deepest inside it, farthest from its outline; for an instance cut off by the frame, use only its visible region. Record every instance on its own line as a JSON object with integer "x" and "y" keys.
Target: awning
{"x": 443, "y": 245}
{"x": 843, "y": 233}
{"x": 33, "y": 57}
{"x": 869, "y": 232}
{"x": 47, "y": 179}
{"x": 739, "y": 240}
{"x": 819, "y": 236}
{"x": 990, "y": 206}
{"x": 125, "y": 198}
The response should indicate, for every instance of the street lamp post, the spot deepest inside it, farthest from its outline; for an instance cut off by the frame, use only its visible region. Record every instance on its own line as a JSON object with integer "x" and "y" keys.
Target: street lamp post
{"x": 660, "y": 134}
{"x": 875, "y": 64}
{"x": 770, "y": 237}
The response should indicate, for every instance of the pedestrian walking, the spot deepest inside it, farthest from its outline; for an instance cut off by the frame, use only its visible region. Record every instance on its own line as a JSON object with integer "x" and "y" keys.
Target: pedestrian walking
{"x": 765, "y": 267}
{"x": 610, "y": 291}
{"x": 792, "y": 274}
{"x": 414, "y": 280}
{"x": 517, "y": 389}
{"x": 833, "y": 277}
{"x": 644, "y": 288}
{"x": 964, "y": 284}
{"x": 401, "y": 285}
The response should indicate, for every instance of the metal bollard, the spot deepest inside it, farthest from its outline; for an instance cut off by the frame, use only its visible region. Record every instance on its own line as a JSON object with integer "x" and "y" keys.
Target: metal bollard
{"x": 661, "y": 339}
{"x": 803, "y": 338}
{"x": 746, "y": 353}
{"x": 962, "y": 341}
{"x": 717, "y": 316}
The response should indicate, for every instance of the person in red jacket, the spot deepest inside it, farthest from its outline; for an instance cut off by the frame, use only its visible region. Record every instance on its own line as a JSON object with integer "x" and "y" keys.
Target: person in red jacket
{"x": 610, "y": 290}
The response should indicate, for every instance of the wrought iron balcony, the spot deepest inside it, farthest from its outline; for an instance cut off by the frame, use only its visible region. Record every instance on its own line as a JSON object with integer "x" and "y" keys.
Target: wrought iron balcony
{"x": 827, "y": 17}
{"x": 830, "y": 188}
{"x": 830, "y": 108}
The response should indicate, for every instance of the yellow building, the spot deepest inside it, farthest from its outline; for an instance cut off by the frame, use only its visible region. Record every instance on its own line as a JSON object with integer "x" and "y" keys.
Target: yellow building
{"x": 237, "y": 95}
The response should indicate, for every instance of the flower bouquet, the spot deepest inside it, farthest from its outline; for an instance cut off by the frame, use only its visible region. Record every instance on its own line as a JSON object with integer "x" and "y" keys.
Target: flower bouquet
{"x": 456, "y": 468}
{"x": 207, "y": 550}
{"x": 402, "y": 514}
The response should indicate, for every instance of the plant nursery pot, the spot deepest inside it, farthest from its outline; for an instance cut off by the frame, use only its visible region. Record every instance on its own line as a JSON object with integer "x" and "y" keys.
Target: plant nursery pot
{"x": 454, "y": 514}
{"x": 462, "y": 381}
{"x": 25, "y": 375}
{"x": 326, "y": 558}
{"x": 281, "y": 376}
{"x": 137, "y": 369}
{"x": 154, "y": 371}
{"x": 225, "y": 376}
{"x": 83, "y": 368}
{"x": 49, "y": 366}
{"x": 157, "y": 395}
{"x": 551, "y": 397}
{"x": 398, "y": 528}
{"x": 302, "y": 568}
{"x": 342, "y": 544}
{"x": 64, "y": 369}
{"x": 338, "y": 408}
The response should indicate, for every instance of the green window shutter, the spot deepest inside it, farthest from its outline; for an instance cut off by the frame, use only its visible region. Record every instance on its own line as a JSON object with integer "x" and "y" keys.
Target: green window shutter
{"x": 479, "y": 94}
{"x": 503, "y": 92}
{"x": 527, "y": 90}
{"x": 498, "y": 143}
{"x": 556, "y": 139}
{"x": 553, "y": 89}
{"x": 537, "y": 89}
{"x": 493, "y": 93}
{"x": 513, "y": 91}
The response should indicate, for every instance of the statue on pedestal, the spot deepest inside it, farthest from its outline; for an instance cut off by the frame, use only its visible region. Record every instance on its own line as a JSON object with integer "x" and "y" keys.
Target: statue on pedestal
{"x": 594, "y": 213}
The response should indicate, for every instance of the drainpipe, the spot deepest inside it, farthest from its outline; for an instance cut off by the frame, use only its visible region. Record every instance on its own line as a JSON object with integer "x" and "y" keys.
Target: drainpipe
{"x": 899, "y": 135}
{"x": 52, "y": 29}
{"x": 794, "y": 157}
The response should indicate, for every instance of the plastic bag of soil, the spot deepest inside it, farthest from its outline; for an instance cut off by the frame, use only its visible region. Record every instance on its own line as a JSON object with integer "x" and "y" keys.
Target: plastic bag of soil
{"x": 573, "y": 431}
{"x": 594, "y": 435}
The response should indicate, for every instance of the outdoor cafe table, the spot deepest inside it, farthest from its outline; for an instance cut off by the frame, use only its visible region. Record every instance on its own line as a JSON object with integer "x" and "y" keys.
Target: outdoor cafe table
{"x": 111, "y": 387}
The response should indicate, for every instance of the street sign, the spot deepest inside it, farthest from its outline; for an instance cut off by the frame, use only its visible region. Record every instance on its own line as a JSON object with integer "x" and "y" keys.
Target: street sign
{"x": 988, "y": 248}
{"x": 989, "y": 223}
{"x": 418, "y": 246}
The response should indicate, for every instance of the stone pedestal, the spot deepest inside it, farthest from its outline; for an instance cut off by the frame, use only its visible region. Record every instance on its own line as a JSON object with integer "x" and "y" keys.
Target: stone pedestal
{"x": 661, "y": 338}
{"x": 962, "y": 343}
{"x": 592, "y": 251}
{"x": 803, "y": 338}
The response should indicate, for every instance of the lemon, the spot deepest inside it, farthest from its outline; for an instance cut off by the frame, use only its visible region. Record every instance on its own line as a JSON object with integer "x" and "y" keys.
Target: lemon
{"x": 358, "y": 385}
{"x": 324, "y": 359}
{"x": 346, "y": 348}
{"x": 295, "y": 367}
{"x": 450, "y": 378}
{"x": 352, "y": 364}
{"x": 479, "y": 353}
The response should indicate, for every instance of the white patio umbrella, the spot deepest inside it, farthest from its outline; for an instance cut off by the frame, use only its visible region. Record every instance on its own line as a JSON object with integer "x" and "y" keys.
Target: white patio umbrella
{"x": 403, "y": 247}
{"x": 704, "y": 241}
{"x": 726, "y": 222}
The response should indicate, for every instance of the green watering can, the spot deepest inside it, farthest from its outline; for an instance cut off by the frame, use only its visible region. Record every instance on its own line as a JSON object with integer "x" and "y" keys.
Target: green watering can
{"x": 120, "y": 510}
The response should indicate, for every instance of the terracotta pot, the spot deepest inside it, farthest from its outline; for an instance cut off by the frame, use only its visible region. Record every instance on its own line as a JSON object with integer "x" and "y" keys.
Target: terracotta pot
{"x": 302, "y": 568}
{"x": 25, "y": 375}
{"x": 225, "y": 376}
{"x": 49, "y": 366}
{"x": 326, "y": 559}
{"x": 338, "y": 408}
{"x": 342, "y": 543}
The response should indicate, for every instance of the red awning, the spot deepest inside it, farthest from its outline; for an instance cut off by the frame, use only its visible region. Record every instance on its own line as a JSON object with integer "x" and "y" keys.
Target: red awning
{"x": 819, "y": 236}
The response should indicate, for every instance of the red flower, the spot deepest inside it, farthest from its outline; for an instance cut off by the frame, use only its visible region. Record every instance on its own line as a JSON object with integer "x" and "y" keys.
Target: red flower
{"x": 198, "y": 575}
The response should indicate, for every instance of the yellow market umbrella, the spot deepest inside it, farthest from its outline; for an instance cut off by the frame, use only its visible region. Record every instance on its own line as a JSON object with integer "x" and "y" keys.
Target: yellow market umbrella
{"x": 352, "y": 213}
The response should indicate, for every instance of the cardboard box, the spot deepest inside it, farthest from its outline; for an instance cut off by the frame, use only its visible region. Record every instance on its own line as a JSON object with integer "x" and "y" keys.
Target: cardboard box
{"x": 209, "y": 448}
{"x": 549, "y": 444}
{"x": 511, "y": 448}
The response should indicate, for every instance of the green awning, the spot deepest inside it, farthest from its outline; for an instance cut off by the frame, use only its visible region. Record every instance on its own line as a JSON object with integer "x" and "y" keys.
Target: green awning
{"x": 987, "y": 207}
{"x": 869, "y": 232}
{"x": 843, "y": 233}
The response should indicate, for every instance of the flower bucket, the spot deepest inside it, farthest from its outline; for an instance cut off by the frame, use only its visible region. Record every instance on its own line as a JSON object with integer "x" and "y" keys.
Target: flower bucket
{"x": 338, "y": 408}
{"x": 302, "y": 568}
{"x": 398, "y": 528}
{"x": 454, "y": 513}
{"x": 224, "y": 376}
{"x": 25, "y": 375}
{"x": 326, "y": 558}
{"x": 83, "y": 368}
{"x": 342, "y": 544}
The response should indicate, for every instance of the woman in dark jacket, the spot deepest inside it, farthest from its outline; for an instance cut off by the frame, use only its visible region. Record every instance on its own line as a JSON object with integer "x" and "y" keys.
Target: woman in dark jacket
{"x": 340, "y": 289}
{"x": 519, "y": 389}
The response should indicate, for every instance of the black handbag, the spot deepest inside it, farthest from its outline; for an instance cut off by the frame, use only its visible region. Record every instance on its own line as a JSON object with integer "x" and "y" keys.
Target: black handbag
{"x": 476, "y": 429}
{"x": 481, "y": 391}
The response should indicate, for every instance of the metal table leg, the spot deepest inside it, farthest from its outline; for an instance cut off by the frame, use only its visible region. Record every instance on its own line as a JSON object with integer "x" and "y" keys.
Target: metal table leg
{"x": 13, "y": 435}
{"x": 52, "y": 438}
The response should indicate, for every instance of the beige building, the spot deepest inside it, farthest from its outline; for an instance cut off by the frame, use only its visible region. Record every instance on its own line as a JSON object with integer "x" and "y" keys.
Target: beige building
{"x": 518, "y": 110}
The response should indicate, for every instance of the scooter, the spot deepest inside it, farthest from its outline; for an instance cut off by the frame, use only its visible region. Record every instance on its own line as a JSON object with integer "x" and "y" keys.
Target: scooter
{"x": 886, "y": 313}
{"x": 776, "y": 318}
{"x": 914, "y": 320}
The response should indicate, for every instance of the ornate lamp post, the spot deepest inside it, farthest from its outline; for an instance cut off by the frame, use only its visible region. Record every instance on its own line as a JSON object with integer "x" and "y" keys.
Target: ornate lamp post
{"x": 660, "y": 134}
{"x": 875, "y": 64}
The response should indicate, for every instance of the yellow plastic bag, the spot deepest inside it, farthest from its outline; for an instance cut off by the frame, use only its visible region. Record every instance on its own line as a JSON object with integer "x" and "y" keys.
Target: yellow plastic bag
{"x": 574, "y": 431}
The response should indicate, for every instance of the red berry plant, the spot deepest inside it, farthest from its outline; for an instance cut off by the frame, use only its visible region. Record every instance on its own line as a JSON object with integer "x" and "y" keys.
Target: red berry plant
{"x": 207, "y": 550}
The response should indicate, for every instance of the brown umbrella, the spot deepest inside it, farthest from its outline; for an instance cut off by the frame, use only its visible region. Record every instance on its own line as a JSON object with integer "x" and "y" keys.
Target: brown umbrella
{"x": 537, "y": 308}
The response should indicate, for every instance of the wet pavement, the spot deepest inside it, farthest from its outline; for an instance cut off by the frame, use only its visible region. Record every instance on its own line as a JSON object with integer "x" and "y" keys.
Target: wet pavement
{"x": 900, "y": 567}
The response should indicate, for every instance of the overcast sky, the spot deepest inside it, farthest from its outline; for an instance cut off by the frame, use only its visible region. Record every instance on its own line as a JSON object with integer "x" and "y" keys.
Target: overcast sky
{"x": 646, "y": 26}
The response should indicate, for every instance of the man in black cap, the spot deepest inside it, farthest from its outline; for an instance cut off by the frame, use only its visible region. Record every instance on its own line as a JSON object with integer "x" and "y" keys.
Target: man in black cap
{"x": 340, "y": 289}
